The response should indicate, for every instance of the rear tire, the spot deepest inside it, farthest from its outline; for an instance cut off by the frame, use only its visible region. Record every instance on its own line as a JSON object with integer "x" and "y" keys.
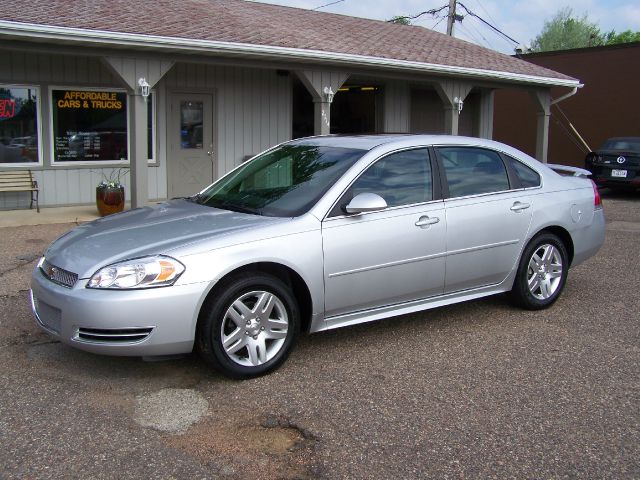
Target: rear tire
{"x": 542, "y": 273}
{"x": 248, "y": 326}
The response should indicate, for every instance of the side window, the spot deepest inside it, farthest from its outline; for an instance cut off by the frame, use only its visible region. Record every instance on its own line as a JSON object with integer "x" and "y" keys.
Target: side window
{"x": 401, "y": 178}
{"x": 528, "y": 176}
{"x": 472, "y": 171}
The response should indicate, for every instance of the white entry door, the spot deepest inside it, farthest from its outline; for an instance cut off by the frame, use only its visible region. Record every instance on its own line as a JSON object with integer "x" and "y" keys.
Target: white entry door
{"x": 190, "y": 164}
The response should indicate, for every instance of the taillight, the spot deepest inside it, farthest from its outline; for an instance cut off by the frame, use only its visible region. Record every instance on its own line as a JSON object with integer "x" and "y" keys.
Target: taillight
{"x": 597, "y": 199}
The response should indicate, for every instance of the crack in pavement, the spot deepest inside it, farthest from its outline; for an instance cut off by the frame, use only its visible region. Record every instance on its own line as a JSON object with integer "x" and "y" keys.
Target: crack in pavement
{"x": 17, "y": 267}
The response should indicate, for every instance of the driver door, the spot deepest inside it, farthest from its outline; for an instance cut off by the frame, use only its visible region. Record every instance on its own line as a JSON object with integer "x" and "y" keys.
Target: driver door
{"x": 391, "y": 256}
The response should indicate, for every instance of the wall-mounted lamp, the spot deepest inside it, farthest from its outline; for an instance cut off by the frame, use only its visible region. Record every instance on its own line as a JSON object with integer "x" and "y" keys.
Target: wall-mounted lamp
{"x": 458, "y": 102}
{"x": 144, "y": 88}
{"x": 328, "y": 94}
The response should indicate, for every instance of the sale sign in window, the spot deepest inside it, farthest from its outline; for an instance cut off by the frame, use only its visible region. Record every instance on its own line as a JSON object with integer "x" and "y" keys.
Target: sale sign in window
{"x": 18, "y": 124}
{"x": 89, "y": 125}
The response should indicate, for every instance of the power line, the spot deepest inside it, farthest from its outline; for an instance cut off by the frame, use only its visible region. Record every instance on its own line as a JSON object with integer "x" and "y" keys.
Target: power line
{"x": 486, "y": 11}
{"x": 479, "y": 33}
{"x": 438, "y": 22}
{"x": 327, "y": 4}
{"x": 469, "y": 12}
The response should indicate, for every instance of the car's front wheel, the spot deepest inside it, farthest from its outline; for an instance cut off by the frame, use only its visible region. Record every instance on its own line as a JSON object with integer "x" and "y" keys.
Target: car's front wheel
{"x": 542, "y": 273}
{"x": 248, "y": 326}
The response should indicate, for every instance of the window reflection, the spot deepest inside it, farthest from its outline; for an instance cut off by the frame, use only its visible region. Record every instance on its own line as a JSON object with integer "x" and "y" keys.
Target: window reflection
{"x": 18, "y": 125}
{"x": 191, "y": 114}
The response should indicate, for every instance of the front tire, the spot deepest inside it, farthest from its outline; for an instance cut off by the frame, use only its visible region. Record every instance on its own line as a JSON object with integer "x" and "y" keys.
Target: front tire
{"x": 542, "y": 273}
{"x": 248, "y": 326}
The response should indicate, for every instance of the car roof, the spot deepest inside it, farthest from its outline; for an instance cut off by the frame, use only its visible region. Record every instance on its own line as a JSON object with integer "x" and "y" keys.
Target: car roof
{"x": 368, "y": 142}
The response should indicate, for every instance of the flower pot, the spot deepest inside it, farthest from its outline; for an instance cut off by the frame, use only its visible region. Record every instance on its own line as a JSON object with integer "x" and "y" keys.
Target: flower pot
{"x": 109, "y": 199}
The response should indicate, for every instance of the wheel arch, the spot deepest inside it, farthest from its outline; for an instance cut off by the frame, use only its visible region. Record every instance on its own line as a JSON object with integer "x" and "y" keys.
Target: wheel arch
{"x": 282, "y": 272}
{"x": 563, "y": 234}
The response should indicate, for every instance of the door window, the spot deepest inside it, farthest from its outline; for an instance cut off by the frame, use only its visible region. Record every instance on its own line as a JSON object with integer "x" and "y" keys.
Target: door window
{"x": 191, "y": 117}
{"x": 473, "y": 171}
{"x": 402, "y": 178}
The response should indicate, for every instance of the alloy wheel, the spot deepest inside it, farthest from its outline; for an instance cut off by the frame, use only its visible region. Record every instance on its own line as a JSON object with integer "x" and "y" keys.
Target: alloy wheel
{"x": 544, "y": 272}
{"x": 254, "y": 328}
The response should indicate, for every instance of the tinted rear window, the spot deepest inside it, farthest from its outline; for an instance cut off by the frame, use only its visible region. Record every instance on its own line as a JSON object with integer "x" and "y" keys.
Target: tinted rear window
{"x": 627, "y": 144}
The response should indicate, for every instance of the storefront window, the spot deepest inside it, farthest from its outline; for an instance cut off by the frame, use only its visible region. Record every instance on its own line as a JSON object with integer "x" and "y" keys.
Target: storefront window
{"x": 18, "y": 125}
{"x": 89, "y": 125}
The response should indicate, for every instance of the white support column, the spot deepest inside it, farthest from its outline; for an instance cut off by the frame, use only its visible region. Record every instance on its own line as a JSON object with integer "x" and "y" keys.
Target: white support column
{"x": 452, "y": 93}
{"x": 485, "y": 119}
{"x": 138, "y": 150}
{"x": 131, "y": 71}
{"x": 321, "y": 117}
{"x": 322, "y": 85}
{"x": 542, "y": 100}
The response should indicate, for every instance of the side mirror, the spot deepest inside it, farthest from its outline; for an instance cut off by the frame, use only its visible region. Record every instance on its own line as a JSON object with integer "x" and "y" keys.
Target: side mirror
{"x": 366, "y": 202}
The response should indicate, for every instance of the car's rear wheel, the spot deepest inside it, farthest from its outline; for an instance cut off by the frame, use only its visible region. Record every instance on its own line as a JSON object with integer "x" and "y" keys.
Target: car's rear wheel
{"x": 542, "y": 273}
{"x": 249, "y": 326}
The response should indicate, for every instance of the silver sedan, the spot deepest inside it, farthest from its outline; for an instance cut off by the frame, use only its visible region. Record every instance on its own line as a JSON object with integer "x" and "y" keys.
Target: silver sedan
{"x": 315, "y": 234}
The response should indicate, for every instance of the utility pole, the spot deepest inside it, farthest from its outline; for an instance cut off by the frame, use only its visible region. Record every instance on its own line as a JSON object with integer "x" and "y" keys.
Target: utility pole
{"x": 451, "y": 17}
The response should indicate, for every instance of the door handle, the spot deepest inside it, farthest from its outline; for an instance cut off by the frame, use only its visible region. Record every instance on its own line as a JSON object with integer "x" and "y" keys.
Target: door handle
{"x": 519, "y": 206}
{"x": 426, "y": 221}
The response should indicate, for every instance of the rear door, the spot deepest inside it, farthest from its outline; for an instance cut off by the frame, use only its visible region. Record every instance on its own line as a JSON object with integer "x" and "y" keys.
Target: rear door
{"x": 488, "y": 217}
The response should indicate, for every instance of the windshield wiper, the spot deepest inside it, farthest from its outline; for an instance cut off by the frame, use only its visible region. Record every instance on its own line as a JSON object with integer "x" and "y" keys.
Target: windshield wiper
{"x": 234, "y": 207}
{"x": 194, "y": 198}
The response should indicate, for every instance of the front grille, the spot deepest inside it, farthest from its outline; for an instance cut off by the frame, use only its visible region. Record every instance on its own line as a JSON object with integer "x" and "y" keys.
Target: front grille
{"x": 48, "y": 316}
{"x": 112, "y": 335}
{"x": 58, "y": 275}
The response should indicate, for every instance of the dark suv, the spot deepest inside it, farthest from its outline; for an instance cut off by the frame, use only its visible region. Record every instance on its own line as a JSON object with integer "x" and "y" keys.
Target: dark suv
{"x": 617, "y": 163}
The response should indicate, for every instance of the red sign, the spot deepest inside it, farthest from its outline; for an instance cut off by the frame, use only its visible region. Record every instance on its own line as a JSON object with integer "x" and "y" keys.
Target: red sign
{"x": 7, "y": 108}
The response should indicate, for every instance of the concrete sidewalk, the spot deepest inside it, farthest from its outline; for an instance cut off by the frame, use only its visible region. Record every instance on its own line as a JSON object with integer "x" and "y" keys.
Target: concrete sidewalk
{"x": 78, "y": 214}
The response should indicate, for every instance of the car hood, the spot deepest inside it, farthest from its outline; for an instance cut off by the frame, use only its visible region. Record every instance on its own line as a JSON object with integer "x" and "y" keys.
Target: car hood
{"x": 145, "y": 231}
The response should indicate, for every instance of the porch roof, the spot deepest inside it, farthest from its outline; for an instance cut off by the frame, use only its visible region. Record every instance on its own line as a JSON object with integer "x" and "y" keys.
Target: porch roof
{"x": 257, "y": 30}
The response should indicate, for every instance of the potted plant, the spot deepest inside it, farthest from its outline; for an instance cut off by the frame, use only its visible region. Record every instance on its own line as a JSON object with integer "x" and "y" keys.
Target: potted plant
{"x": 110, "y": 192}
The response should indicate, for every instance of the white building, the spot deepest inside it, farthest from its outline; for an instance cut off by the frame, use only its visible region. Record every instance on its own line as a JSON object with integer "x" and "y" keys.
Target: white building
{"x": 227, "y": 79}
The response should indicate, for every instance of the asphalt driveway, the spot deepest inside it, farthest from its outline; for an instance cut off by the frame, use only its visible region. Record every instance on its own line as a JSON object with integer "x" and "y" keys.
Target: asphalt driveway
{"x": 478, "y": 390}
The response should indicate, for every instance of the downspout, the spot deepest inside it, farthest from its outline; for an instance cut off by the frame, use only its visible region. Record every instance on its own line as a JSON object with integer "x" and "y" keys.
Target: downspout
{"x": 565, "y": 96}
{"x": 573, "y": 129}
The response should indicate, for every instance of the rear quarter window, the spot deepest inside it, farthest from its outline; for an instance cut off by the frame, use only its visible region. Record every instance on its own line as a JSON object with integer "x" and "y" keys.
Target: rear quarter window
{"x": 528, "y": 176}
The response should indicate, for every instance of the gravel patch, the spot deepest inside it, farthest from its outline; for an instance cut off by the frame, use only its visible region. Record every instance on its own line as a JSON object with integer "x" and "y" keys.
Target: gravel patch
{"x": 171, "y": 410}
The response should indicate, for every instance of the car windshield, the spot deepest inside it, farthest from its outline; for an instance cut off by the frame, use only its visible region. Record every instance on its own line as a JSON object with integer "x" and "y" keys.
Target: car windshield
{"x": 628, "y": 144}
{"x": 284, "y": 182}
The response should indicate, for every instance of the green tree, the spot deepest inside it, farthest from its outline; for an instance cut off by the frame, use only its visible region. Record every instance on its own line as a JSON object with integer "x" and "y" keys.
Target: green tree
{"x": 565, "y": 31}
{"x": 623, "y": 37}
{"x": 400, "y": 20}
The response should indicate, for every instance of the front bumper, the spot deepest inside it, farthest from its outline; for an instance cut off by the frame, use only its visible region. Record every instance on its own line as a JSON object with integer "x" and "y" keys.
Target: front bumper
{"x": 146, "y": 322}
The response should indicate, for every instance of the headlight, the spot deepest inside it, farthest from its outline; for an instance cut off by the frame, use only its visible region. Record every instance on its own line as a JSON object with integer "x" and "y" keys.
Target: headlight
{"x": 146, "y": 272}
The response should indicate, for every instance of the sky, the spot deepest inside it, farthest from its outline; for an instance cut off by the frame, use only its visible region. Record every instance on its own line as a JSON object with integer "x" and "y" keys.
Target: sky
{"x": 522, "y": 20}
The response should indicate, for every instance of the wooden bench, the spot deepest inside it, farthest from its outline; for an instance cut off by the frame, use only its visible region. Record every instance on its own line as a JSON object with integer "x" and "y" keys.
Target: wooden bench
{"x": 20, "y": 181}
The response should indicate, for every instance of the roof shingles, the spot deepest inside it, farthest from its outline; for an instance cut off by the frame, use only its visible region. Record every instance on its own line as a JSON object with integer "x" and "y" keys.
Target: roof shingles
{"x": 239, "y": 21}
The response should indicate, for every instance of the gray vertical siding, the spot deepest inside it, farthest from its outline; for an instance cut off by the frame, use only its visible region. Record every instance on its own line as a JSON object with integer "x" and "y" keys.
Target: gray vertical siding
{"x": 252, "y": 108}
{"x": 396, "y": 106}
{"x": 427, "y": 114}
{"x": 252, "y": 111}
